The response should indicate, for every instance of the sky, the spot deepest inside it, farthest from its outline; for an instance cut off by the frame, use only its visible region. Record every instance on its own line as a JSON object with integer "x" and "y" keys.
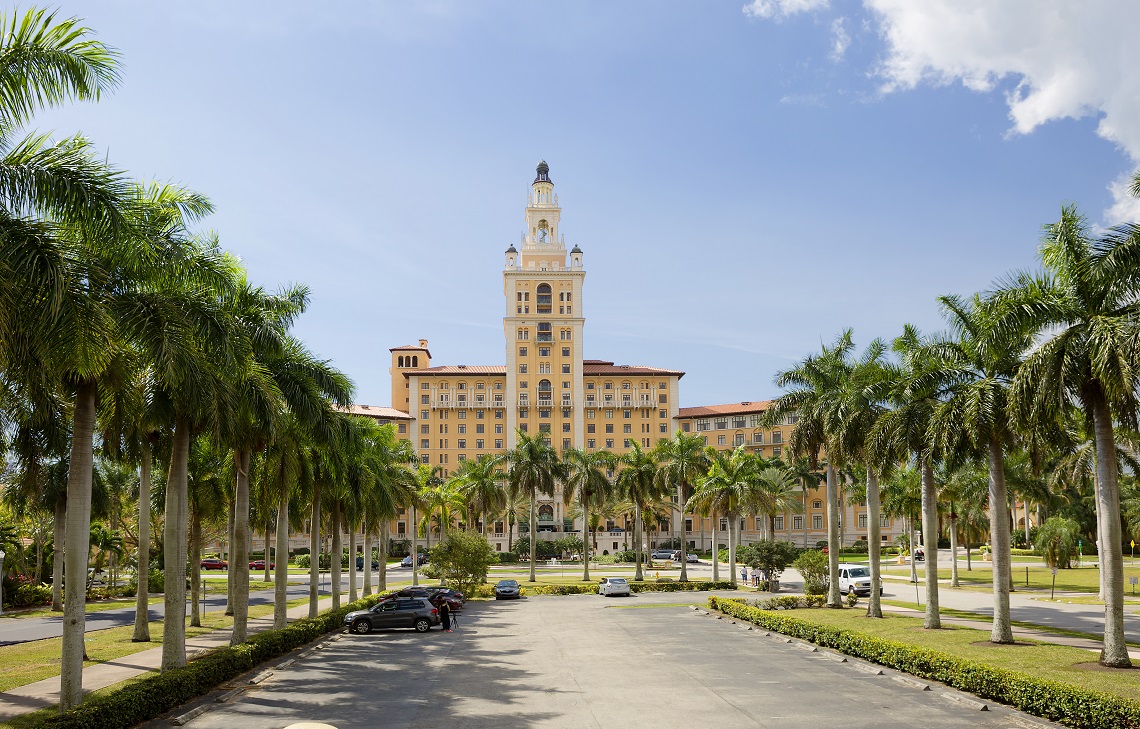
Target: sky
{"x": 746, "y": 178}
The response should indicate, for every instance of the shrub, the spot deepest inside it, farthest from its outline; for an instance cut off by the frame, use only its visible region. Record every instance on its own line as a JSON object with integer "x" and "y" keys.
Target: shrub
{"x": 158, "y": 693}
{"x": 1057, "y": 541}
{"x": 508, "y": 558}
{"x": 821, "y": 544}
{"x": 303, "y": 561}
{"x": 1071, "y": 705}
{"x": 27, "y": 594}
{"x": 155, "y": 582}
{"x": 772, "y": 557}
{"x": 463, "y": 560}
{"x": 860, "y": 546}
{"x": 813, "y": 566}
{"x": 628, "y": 555}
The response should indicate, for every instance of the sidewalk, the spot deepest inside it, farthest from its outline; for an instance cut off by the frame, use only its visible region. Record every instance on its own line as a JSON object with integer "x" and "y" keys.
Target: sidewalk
{"x": 45, "y": 693}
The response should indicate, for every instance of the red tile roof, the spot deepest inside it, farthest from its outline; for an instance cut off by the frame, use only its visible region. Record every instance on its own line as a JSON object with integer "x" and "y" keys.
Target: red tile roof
{"x": 459, "y": 370}
{"x": 735, "y": 408}
{"x": 411, "y": 348}
{"x": 377, "y": 411}
{"x": 600, "y": 367}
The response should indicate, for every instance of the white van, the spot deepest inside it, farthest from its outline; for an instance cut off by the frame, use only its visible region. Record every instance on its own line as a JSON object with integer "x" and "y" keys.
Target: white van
{"x": 857, "y": 578}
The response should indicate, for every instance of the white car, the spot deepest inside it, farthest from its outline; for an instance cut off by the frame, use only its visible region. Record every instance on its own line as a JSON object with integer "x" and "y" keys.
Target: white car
{"x": 692, "y": 558}
{"x": 613, "y": 586}
{"x": 856, "y": 578}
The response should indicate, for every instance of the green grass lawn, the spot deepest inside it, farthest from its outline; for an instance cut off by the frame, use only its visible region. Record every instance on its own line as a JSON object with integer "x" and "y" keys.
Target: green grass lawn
{"x": 1045, "y": 660}
{"x": 1081, "y": 579}
{"x": 25, "y": 663}
{"x": 92, "y": 607}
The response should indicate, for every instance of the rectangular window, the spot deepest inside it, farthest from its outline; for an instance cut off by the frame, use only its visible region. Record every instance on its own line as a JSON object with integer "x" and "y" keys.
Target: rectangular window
{"x": 684, "y": 427}
{"x": 443, "y": 427}
{"x": 778, "y": 524}
{"x": 424, "y": 458}
{"x": 862, "y": 521}
{"x": 544, "y": 368}
{"x": 544, "y": 351}
{"x": 590, "y": 443}
{"x": 565, "y": 351}
{"x": 425, "y": 429}
{"x": 461, "y": 443}
{"x": 544, "y": 413}
{"x": 479, "y": 444}
{"x": 661, "y": 398}
{"x": 522, "y": 351}
{"x": 797, "y": 522}
{"x": 590, "y": 428}
{"x": 721, "y": 425}
{"x": 522, "y": 369}
{"x": 627, "y": 414}
{"x": 402, "y": 428}
{"x": 704, "y": 425}
{"x": 757, "y": 437}
{"x": 461, "y": 414}
{"x": 776, "y": 452}
{"x": 523, "y": 427}
{"x": 662, "y": 414}
{"x": 461, "y": 428}
{"x": 544, "y": 427}
{"x": 664, "y": 428}
{"x": 442, "y": 442}
{"x": 817, "y": 521}
{"x": 739, "y": 440}
{"x": 884, "y": 521}
{"x": 425, "y": 443}
{"x": 479, "y": 414}
{"x": 590, "y": 414}
{"x": 479, "y": 428}
{"x": 498, "y": 444}
{"x": 425, "y": 414}
{"x": 720, "y": 440}
{"x": 401, "y": 527}
{"x": 566, "y": 427}
{"x": 425, "y": 386}
{"x": 498, "y": 415}
{"x": 759, "y": 523}
{"x": 425, "y": 399}
{"x": 627, "y": 428}
{"x": 777, "y": 436}
{"x": 609, "y": 427}
{"x": 498, "y": 428}
{"x": 609, "y": 442}
{"x": 565, "y": 444}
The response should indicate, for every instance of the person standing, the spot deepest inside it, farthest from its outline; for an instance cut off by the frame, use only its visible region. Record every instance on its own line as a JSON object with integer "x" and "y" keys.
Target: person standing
{"x": 445, "y": 615}
{"x": 744, "y": 574}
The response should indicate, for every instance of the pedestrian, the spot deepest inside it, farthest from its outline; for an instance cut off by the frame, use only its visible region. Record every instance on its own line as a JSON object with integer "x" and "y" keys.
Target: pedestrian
{"x": 445, "y": 616}
{"x": 755, "y": 577}
{"x": 744, "y": 574}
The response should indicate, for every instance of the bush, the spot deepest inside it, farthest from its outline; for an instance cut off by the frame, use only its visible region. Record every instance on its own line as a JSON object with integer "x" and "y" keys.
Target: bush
{"x": 508, "y": 558}
{"x": 628, "y": 555}
{"x": 155, "y": 582}
{"x": 1057, "y": 541}
{"x": 26, "y": 594}
{"x": 813, "y": 566}
{"x": 1070, "y": 705}
{"x": 663, "y": 585}
{"x": 773, "y": 557}
{"x": 821, "y": 544}
{"x": 157, "y": 694}
{"x": 463, "y": 560}
{"x": 860, "y": 546}
{"x": 303, "y": 561}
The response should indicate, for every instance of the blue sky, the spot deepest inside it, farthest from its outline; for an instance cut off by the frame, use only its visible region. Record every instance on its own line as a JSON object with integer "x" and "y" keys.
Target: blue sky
{"x": 745, "y": 180}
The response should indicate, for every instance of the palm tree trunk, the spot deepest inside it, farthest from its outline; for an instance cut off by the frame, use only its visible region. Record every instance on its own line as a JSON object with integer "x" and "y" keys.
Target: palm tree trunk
{"x": 281, "y": 566}
{"x": 337, "y": 550}
{"x": 239, "y": 564}
{"x": 78, "y": 538}
{"x": 382, "y": 554}
{"x": 352, "y": 595}
{"x": 269, "y": 559}
{"x": 1115, "y": 652}
{"x": 315, "y": 552}
{"x": 913, "y": 547}
{"x": 833, "y": 599}
{"x": 142, "y": 597}
{"x": 803, "y": 487}
{"x": 715, "y": 546}
{"x": 585, "y": 538}
{"x": 1028, "y": 544}
{"x": 58, "y": 555}
{"x": 1001, "y": 632}
{"x": 932, "y": 620}
{"x": 174, "y": 550}
{"x": 367, "y": 589}
{"x": 532, "y": 531}
{"x": 953, "y": 548}
{"x": 732, "y": 548}
{"x": 231, "y": 526}
{"x": 638, "y": 574}
{"x": 969, "y": 539}
{"x": 195, "y": 569}
{"x": 681, "y": 530}
{"x": 415, "y": 549}
{"x": 874, "y": 544}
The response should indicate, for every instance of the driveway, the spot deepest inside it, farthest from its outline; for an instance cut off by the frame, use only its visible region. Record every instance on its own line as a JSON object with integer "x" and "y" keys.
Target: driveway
{"x": 585, "y": 661}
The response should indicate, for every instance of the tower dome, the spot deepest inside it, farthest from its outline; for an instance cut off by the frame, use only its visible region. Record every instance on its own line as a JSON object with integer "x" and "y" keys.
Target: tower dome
{"x": 543, "y": 171}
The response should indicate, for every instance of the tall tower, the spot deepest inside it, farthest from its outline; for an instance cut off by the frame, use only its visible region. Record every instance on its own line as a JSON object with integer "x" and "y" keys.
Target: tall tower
{"x": 543, "y": 324}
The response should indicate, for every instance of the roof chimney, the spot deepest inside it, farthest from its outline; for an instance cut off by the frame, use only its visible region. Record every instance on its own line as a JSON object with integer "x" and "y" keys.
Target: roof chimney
{"x": 423, "y": 344}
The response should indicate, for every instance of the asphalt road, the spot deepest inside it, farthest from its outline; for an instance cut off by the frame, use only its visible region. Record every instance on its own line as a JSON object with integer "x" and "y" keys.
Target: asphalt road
{"x": 584, "y": 661}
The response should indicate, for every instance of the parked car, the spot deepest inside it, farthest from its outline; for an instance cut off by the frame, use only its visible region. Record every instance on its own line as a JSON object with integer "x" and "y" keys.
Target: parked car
{"x": 663, "y": 553}
{"x": 611, "y": 586}
{"x": 435, "y": 595}
{"x": 407, "y": 561}
{"x": 507, "y": 590}
{"x": 259, "y": 564}
{"x": 919, "y": 555}
{"x": 692, "y": 558}
{"x": 213, "y": 563}
{"x": 404, "y": 612}
{"x": 856, "y": 578}
{"x": 360, "y": 564}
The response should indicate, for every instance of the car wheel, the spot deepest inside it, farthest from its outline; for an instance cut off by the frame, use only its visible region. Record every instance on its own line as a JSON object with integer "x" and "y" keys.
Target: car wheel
{"x": 361, "y": 626}
{"x": 423, "y": 625}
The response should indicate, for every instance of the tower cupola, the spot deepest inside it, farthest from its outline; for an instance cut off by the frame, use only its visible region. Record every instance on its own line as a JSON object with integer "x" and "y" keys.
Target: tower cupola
{"x": 543, "y": 171}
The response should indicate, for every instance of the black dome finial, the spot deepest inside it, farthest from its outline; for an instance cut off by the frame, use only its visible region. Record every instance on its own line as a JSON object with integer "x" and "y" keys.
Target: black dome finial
{"x": 543, "y": 171}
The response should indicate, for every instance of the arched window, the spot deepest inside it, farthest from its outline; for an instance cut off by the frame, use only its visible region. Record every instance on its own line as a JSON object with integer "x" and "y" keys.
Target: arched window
{"x": 400, "y": 361}
{"x": 415, "y": 360}
{"x": 544, "y": 386}
{"x": 817, "y": 504}
{"x": 544, "y": 298}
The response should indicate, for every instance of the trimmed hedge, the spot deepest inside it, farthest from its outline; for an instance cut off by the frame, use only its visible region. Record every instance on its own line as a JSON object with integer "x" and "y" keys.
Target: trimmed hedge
{"x": 155, "y": 695}
{"x": 1071, "y": 705}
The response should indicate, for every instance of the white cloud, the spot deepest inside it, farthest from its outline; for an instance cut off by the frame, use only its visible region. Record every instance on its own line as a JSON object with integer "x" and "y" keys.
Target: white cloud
{"x": 782, "y": 8}
{"x": 1067, "y": 60}
{"x": 840, "y": 39}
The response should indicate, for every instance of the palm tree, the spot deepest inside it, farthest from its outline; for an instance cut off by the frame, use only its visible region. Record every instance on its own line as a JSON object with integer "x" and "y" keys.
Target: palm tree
{"x": 480, "y": 483}
{"x": 816, "y": 385}
{"x": 584, "y": 477}
{"x": 427, "y": 477}
{"x": 731, "y": 488}
{"x": 902, "y": 499}
{"x": 393, "y": 484}
{"x": 681, "y": 461}
{"x": 776, "y": 493}
{"x": 534, "y": 468}
{"x": 904, "y": 432}
{"x": 977, "y": 366}
{"x": 205, "y": 497}
{"x": 1084, "y": 302}
{"x": 636, "y": 481}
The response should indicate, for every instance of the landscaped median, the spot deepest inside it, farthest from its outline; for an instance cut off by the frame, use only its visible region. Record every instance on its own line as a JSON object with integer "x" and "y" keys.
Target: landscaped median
{"x": 1072, "y": 705}
{"x": 590, "y": 588}
{"x": 154, "y": 695}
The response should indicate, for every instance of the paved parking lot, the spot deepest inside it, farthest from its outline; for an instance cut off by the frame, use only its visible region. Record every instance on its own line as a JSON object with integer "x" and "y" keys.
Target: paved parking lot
{"x": 586, "y": 661}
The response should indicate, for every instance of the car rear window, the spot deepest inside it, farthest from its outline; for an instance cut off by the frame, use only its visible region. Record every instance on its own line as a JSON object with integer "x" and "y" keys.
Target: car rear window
{"x": 409, "y": 604}
{"x": 617, "y": 580}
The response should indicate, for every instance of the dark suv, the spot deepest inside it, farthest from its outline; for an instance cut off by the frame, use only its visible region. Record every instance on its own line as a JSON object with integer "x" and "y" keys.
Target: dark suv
{"x": 401, "y": 612}
{"x": 454, "y": 598}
